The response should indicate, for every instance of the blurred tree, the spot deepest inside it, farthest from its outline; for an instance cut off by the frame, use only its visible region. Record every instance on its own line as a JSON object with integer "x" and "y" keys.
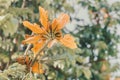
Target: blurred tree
{"x": 98, "y": 40}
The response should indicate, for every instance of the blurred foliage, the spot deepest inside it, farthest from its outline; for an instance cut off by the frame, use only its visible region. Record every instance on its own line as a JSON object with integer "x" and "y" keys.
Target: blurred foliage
{"x": 15, "y": 71}
{"x": 96, "y": 41}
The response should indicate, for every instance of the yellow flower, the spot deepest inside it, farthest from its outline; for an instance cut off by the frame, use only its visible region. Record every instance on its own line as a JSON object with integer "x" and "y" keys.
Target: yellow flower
{"x": 48, "y": 31}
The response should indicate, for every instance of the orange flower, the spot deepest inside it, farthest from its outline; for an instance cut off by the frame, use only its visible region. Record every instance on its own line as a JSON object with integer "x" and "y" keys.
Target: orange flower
{"x": 36, "y": 67}
{"x": 48, "y": 31}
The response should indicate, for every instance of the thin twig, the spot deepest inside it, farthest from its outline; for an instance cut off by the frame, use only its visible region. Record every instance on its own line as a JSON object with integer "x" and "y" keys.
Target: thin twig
{"x": 25, "y": 76}
{"x": 28, "y": 47}
{"x": 43, "y": 47}
{"x": 9, "y": 58}
{"x": 50, "y": 59}
{"x": 23, "y": 4}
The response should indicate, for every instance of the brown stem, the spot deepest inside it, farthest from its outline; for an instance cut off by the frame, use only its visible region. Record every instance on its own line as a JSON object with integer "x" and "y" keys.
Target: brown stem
{"x": 43, "y": 47}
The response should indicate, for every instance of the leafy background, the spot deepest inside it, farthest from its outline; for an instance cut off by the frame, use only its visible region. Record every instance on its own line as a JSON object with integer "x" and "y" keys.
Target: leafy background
{"x": 97, "y": 39}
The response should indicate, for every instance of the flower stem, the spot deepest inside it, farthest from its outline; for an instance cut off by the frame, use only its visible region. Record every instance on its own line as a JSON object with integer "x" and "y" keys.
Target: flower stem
{"x": 34, "y": 59}
{"x": 28, "y": 47}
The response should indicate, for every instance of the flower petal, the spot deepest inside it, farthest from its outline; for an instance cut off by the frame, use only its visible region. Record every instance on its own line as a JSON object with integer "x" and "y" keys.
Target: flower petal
{"x": 54, "y": 24}
{"x": 43, "y": 17}
{"x": 52, "y": 43}
{"x": 37, "y": 68}
{"x": 68, "y": 41}
{"x": 27, "y": 36}
{"x": 32, "y": 39}
{"x": 37, "y": 46}
{"x": 33, "y": 27}
{"x": 62, "y": 20}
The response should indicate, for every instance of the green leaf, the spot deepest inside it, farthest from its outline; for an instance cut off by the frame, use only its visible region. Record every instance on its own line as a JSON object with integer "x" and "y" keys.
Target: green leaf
{"x": 51, "y": 75}
{"x": 101, "y": 45}
{"x": 9, "y": 24}
{"x": 80, "y": 59}
{"x": 78, "y": 71}
{"x": 87, "y": 73}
